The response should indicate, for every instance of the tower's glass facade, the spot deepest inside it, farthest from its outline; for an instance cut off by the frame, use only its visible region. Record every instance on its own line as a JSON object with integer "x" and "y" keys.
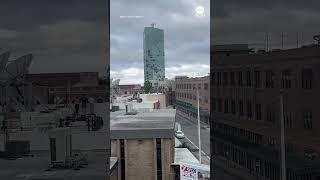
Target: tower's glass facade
{"x": 153, "y": 48}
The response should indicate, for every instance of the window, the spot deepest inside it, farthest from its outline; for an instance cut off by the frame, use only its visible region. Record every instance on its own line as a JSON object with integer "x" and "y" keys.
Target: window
{"x": 270, "y": 114}
{"x": 289, "y": 147}
{"x": 225, "y": 78}
{"x": 240, "y": 81}
{"x": 53, "y": 149}
{"x": 307, "y": 120}
{"x": 219, "y": 78}
{"x": 287, "y": 117}
{"x": 240, "y": 108}
{"x": 205, "y": 86}
{"x": 159, "y": 163}
{"x": 258, "y": 111}
{"x": 232, "y": 79}
{"x": 286, "y": 79}
{"x": 122, "y": 160}
{"x": 248, "y": 73}
{"x": 257, "y": 79}
{"x": 310, "y": 154}
{"x": 249, "y": 109}
{"x": 270, "y": 77}
{"x": 233, "y": 106}
{"x": 199, "y": 86}
{"x": 213, "y": 78}
{"x": 307, "y": 78}
{"x": 194, "y": 97}
{"x": 214, "y": 105}
{"x": 219, "y": 105}
{"x": 206, "y": 100}
{"x": 194, "y": 86}
{"x": 226, "y": 106}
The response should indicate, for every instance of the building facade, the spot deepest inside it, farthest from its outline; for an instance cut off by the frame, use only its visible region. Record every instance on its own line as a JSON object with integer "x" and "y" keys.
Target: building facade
{"x": 153, "y": 48}
{"x": 67, "y": 86}
{"x": 186, "y": 97}
{"x": 246, "y": 114}
{"x": 145, "y": 146}
{"x": 130, "y": 89}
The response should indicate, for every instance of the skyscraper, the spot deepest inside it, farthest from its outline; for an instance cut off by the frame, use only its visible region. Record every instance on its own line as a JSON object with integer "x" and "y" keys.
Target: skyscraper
{"x": 153, "y": 48}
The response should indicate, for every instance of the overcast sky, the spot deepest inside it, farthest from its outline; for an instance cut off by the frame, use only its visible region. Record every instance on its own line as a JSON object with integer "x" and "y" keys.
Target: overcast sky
{"x": 70, "y": 36}
{"x": 63, "y": 35}
{"x": 247, "y": 21}
{"x": 186, "y": 37}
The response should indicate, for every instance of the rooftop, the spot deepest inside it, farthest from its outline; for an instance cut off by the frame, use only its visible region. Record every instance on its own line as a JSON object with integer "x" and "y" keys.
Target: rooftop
{"x": 148, "y": 124}
{"x": 35, "y": 168}
{"x": 230, "y": 47}
{"x": 296, "y": 54}
{"x": 184, "y": 156}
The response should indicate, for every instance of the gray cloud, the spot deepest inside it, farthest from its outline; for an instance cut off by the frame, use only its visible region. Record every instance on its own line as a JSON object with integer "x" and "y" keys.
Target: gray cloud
{"x": 248, "y": 21}
{"x": 187, "y": 37}
{"x": 64, "y": 36}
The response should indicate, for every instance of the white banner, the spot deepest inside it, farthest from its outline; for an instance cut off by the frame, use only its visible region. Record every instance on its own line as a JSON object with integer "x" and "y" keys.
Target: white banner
{"x": 193, "y": 172}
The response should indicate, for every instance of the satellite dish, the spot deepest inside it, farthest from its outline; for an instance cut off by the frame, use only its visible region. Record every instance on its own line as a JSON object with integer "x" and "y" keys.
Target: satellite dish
{"x": 317, "y": 38}
{"x": 4, "y": 58}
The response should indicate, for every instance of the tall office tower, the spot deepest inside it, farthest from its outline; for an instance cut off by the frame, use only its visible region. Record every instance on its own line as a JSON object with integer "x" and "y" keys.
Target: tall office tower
{"x": 153, "y": 47}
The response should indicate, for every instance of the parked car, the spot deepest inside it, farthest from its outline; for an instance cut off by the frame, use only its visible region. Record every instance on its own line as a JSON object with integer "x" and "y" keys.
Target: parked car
{"x": 179, "y": 134}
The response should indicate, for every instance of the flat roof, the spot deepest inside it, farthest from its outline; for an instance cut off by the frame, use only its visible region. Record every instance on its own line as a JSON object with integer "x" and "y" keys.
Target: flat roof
{"x": 150, "y": 124}
{"x": 231, "y": 47}
{"x": 35, "y": 168}
{"x": 183, "y": 155}
{"x": 284, "y": 56}
{"x": 177, "y": 142}
{"x": 113, "y": 163}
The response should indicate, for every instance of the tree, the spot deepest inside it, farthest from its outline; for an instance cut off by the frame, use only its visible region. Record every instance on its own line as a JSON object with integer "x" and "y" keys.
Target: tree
{"x": 147, "y": 86}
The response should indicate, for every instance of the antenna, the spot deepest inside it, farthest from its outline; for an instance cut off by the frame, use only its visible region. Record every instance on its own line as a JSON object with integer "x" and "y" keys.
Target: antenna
{"x": 297, "y": 36}
{"x": 267, "y": 42}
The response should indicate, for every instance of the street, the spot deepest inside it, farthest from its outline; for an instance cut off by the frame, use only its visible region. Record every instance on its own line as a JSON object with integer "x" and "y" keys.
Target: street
{"x": 190, "y": 129}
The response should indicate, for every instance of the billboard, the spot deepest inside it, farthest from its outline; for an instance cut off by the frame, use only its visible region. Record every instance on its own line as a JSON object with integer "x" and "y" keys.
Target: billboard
{"x": 194, "y": 172}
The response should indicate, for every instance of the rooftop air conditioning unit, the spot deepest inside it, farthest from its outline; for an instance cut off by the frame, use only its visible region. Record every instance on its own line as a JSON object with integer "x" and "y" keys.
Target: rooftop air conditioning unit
{"x": 60, "y": 145}
{"x": 130, "y": 110}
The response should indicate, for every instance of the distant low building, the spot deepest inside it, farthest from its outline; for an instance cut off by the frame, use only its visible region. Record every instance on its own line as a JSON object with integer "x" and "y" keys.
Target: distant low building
{"x": 130, "y": 89}
{"x": 67, "y": 86}
{"x": 167, "y": 87}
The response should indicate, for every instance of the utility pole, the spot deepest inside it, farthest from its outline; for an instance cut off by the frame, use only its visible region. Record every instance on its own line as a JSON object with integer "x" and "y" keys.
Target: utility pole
{"x": 199, "y": 139}
{"x": 283, "y": 151}
{"x": 282, "y": 39}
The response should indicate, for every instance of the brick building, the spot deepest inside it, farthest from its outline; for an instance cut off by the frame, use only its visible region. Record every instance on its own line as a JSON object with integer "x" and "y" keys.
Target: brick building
{"x": 130, "y": 89}
{"x": 61, "y": 85}
{"x": 186, "y": 97}
{"x": 246, "y": 114}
